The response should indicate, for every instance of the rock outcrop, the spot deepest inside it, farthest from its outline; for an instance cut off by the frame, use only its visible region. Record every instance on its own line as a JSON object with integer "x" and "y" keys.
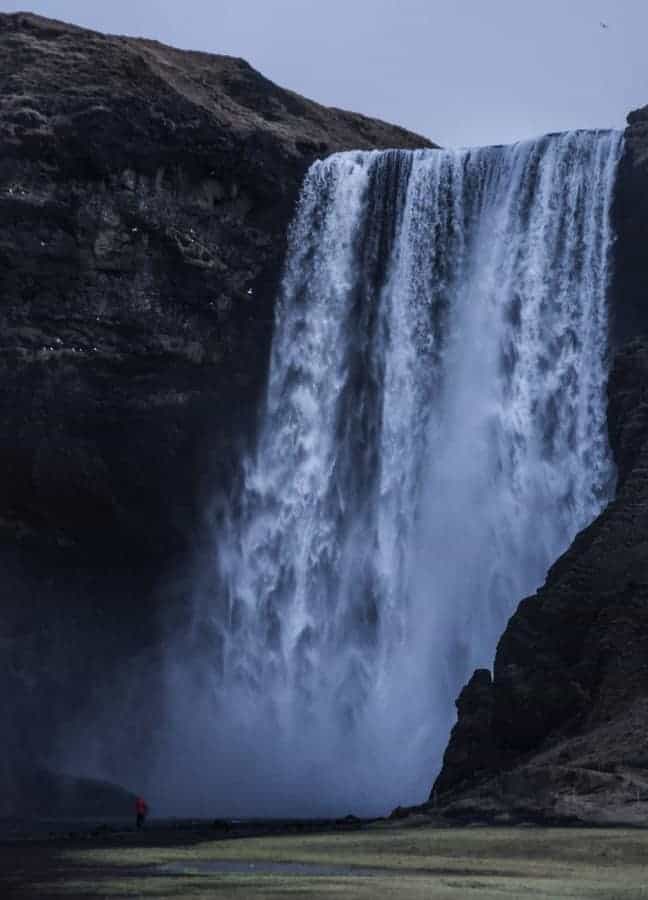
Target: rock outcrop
{"x": 629, "y": 313}
{"x": 145, "y": 195}
{"x": 560, "y": 730}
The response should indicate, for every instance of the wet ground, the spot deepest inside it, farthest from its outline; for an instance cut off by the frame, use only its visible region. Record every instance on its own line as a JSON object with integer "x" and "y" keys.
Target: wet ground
{"x": 408, "y": 860}
{"x": 241, "y": 867}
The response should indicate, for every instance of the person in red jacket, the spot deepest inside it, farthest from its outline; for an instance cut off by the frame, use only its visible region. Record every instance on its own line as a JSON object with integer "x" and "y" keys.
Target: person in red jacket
{"x": 141, "y": 811}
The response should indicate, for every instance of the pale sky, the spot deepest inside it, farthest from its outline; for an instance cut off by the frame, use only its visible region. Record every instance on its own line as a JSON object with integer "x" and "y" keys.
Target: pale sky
{"x": 462, "y": 72}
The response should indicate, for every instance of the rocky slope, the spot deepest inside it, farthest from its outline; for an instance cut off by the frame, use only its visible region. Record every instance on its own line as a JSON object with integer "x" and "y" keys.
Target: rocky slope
{"x": 560, "y": 730}
{"x": 145, "y": 195}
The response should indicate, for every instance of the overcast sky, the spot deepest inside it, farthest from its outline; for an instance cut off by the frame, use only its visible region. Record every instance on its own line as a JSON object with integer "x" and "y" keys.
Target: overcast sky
{"x": 459, "y": 71}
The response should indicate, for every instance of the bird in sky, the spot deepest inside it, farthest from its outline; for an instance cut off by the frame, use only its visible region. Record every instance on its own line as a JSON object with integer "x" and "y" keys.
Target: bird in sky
{"x": 604, "y": 25}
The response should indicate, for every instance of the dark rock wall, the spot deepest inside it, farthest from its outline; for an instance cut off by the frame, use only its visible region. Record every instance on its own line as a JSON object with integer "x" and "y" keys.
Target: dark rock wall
{"x": 629, "y": 314}
{"x": 145, "y": 195}
{"x": 472, "y": 752}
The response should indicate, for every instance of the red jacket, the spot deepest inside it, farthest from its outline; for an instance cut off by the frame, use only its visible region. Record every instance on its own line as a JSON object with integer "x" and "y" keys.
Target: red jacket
{"x": 140, "y": 807}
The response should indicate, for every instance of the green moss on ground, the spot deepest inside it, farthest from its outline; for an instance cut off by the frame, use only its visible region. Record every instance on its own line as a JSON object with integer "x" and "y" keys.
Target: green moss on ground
{"x": 441, "y": 864}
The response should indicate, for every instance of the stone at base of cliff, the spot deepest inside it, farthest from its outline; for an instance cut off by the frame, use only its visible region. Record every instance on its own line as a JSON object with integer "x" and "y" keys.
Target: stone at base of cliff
{"x": 599, "y": 777}
{"x": 471, "y": 753}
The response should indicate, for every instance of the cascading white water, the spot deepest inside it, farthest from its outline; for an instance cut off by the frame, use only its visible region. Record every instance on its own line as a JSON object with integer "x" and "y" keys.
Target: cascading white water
{"x": 434, "y": 436}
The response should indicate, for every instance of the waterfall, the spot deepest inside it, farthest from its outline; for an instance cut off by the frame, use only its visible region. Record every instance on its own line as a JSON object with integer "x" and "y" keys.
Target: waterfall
{"x": 433, "y": 437}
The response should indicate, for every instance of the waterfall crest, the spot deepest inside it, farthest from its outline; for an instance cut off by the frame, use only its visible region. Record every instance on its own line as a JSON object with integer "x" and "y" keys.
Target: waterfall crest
{"x": 433, "y": 437}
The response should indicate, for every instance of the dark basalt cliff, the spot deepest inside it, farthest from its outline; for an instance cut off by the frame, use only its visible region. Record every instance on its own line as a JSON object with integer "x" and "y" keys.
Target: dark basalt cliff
{"x": 560, "y": 730}
{"x": 145, "y": 195}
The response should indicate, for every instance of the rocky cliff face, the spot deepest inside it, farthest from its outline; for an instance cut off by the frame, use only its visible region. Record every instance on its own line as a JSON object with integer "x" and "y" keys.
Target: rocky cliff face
{"x": 629, "y": 312}
{"x": 560, "y": 729}
{"x": 145, "y": 195}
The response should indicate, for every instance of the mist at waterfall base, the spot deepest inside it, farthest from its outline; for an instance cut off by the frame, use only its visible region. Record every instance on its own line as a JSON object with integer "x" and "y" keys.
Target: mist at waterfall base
{"x": 433, "y": 437}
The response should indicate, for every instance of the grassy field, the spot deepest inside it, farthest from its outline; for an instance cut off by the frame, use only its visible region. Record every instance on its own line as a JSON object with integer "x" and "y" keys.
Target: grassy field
{"x": 408, "y": 863}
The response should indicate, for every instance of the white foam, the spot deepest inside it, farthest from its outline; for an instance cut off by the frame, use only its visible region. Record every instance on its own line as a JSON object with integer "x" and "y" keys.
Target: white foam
{"x": 434, "y": 436}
